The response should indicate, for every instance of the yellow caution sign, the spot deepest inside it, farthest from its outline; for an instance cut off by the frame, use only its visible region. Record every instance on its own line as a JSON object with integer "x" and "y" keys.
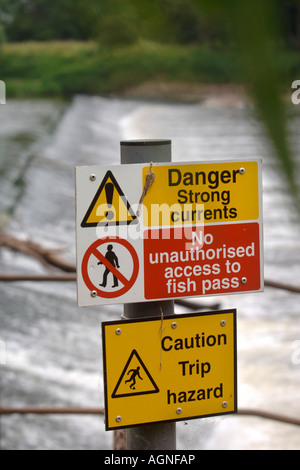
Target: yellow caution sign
{"x": 135, "y": 378}
{"x": 109, "y": 206}
{"x": 202, "y": 193}
{"x": 169, "y": 369}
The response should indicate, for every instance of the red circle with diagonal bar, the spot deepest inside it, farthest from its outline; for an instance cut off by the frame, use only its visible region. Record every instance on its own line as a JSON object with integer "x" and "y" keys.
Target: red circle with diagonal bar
{"x": 127, "y": 283}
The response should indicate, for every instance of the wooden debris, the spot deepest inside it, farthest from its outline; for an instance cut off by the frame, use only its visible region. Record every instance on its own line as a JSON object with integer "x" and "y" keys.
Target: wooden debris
{"x": 46, "y": 256}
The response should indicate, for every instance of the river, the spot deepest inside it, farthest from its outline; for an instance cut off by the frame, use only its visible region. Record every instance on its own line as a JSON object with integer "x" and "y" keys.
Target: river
{"x": 53, "y": 354}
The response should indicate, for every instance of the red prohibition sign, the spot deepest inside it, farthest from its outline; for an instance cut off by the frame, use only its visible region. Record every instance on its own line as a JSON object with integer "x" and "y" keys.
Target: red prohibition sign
{"x": 127, "y": 283}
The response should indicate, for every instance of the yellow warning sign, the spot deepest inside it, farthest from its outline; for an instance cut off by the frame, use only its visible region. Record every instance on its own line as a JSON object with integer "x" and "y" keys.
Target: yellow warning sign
{"x": 109, "y": 206}
{"x": 135, "y": 379}
{"x": 202, "y": 193}
{"x": 176, "y": 368}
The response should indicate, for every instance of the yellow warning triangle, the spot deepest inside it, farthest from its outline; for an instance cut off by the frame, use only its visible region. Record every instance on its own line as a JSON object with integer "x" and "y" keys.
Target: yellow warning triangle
{"x": 109, "y": 206}
{"x": 135, "y": 379}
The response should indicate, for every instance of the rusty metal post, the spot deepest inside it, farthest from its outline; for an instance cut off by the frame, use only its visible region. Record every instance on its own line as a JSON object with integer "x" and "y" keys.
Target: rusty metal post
{"x": 156, "y": 436}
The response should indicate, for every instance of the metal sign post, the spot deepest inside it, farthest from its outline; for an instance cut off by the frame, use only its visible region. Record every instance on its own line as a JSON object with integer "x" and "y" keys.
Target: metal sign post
{"x": 150, "y": 231}
{"x": 157, "y": 436}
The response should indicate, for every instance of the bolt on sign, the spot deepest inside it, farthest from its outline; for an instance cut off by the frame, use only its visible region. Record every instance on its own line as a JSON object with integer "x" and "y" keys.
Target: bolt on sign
{"x": 196, "y": 231}
{"x": 169, "y": 369}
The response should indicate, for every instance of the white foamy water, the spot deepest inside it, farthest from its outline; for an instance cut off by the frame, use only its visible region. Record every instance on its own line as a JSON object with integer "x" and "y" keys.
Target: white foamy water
{"x": 54, "y": 349}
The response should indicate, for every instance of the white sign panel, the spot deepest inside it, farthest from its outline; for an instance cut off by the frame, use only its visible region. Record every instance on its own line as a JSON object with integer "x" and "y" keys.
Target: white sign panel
{"x": 197, "y": 230}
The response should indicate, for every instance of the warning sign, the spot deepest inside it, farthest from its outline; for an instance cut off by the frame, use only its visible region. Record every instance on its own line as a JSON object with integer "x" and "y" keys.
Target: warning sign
{"x": 176, "y": 368}
{"x": 135, "y": 379}
{"x": 195, "y": 231}
{"x": 217, "y": 260}
{"x": 202, "y": 193}
{"x": 109, "y": 206}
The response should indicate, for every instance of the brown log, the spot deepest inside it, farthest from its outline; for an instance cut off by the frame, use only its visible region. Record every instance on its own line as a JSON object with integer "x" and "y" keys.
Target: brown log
{"x": 280, "y": 285}
{"x": 47, "y": 256}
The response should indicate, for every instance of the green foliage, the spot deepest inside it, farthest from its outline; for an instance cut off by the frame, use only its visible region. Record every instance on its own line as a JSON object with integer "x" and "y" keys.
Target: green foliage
{"x": 39, "y": 20}
{"x": 168, "y": 21}
{"x": 256, "y": 29}
{"x": 65, "y": 68}
{"x": 191, "y": 23}
{"x": 116, "y": 32}
{"x": 225, "y": 40}
{"x": 2, "y": 37}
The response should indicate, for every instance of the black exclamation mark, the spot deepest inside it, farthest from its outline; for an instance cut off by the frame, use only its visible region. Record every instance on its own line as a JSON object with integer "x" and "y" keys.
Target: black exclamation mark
{"x": 109, "y": 191}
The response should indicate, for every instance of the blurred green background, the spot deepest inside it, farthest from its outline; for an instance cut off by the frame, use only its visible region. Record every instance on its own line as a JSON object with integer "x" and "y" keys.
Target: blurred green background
{"x": 60, "y": 48}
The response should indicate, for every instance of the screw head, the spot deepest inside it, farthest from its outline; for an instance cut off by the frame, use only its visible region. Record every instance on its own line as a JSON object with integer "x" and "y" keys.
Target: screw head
{"x": 93, "y": 294}
{"x": 179, "y": 411}
{"x": 223, "y": 323}
{"x": 118, "y": 331}
{"x": 118, "y": 419}
{"x": 174, "y": 325}
{"x": 244, "y": 280}
{"x": 242, "y": 171}
{"x": 92, "y": 177}
{"x": 224, "y": 404}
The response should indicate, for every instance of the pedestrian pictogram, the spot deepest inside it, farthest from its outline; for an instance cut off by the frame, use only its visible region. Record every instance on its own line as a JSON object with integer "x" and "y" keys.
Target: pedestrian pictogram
{"x": 109, "y": 206}
{"x": 112, "y": 258}
{"x": 121, "y": 266}
{"x": 135, "y": 379}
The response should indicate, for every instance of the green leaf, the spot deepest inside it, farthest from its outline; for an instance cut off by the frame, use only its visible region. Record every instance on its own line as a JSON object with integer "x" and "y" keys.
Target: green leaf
{"x": 256, "y": 31}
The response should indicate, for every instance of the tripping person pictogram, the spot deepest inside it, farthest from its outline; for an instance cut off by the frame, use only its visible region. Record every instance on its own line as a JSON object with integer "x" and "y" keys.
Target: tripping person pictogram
{"x": 135, "y": 378}
{"x": 134, "y": 373}
{"x": 113, "y": 260}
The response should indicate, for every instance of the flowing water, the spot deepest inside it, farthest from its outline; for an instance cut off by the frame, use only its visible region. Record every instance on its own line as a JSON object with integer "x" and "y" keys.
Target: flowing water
{"x": 53, "y": 350}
